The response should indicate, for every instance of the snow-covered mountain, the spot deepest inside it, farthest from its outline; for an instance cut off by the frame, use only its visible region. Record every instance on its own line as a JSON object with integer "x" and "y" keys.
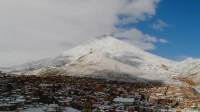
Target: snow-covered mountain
{"x": 102, "y": 56}
{"x": 110, "y": 58}
{"x": 108, "y": 53}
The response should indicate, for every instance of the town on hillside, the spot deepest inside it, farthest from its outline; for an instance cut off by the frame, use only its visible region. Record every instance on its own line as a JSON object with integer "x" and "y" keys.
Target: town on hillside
{"x": 80, "y": 94}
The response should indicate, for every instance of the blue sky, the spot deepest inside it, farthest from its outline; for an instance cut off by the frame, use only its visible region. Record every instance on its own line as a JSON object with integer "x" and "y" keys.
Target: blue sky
{"x": 182, "y": 31}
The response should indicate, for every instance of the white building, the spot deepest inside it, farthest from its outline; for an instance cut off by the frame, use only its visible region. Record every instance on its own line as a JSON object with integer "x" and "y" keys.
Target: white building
{"x": 125, "y": 101}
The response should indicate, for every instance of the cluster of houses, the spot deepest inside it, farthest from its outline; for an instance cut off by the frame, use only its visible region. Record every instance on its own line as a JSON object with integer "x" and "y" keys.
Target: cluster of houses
{"x": 183, "y": 98}
{"x": 73, "y": 94}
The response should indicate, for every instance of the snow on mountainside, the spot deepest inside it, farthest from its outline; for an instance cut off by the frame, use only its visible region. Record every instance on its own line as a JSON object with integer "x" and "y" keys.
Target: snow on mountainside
{"x": 106, "y": 55}
{"x": 188, "y": 66}
{"x": 112, "y": 54}
{"x": 48, "y": 62}
{"x": 189, "y": 72}
{"x": 112, "y": 46}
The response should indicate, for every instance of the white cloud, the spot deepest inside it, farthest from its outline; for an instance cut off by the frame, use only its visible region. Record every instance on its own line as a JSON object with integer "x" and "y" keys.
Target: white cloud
{"x": 136, "y": 10}
{"x": 163, "y": 40}
{"x": 159, "y": 25}
{"x": 34, "y": 29}
{"x": 140, "y": 39}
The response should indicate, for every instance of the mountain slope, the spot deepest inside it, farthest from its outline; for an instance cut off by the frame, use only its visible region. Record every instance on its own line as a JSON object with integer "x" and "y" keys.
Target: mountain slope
{"x": 31, "y": 66}
{"x": 105, "y": 55}
{"x": 110, "y": 58}
{"x": 108, "y": 53}
{"x": 112, "y": 46}
{"x": 189, "y": 73}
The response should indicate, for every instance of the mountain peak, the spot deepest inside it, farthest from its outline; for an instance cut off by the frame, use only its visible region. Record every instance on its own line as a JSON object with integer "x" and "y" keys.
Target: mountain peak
{"x": 104, "y": 44}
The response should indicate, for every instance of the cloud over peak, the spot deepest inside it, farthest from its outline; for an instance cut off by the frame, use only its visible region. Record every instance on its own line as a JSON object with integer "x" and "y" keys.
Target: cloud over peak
{"x": 39, "y": 28}
{"x": 137, "y": 37}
